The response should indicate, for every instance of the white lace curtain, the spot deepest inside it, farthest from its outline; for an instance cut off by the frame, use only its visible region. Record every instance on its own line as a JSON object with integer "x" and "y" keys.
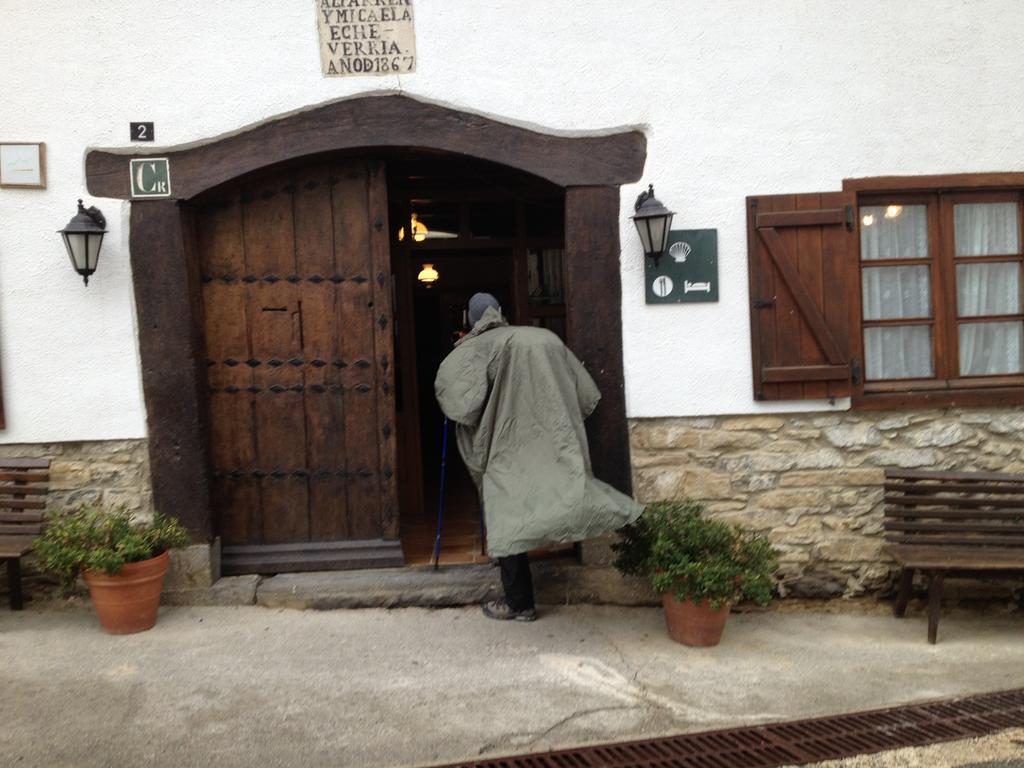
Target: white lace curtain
{"x": 904, "y": 292}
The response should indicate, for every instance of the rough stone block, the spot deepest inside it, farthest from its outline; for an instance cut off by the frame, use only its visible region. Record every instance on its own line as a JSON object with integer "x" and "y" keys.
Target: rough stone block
{"x": 382, "y": 588}
{"x": 940, "y": 434}
{"x": 69, "y": 475}
{"x": 190, "y": 568}
{"x": 1007, "y": 423}
{"x": 821, "y": 458}
{"x": 675, "y": 484}
{"x": 766, "y": 423}
{"x": 660, "y": 437}
{"x": 855, "y": 549}
{"x": 853, "y": 436}
{"x": 234, "y": 590}
{"x": 907, "y": 458}
{"x": 754, "y": 481}
{"x": 787, "y": 498}
{"x": 759, "y": 462}
{"x": 729, "y": 441}
{"x": 598, "y": 552}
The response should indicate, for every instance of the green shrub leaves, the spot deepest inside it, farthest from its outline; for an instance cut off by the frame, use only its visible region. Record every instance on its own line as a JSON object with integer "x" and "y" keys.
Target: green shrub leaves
{"x": 679, "y": 550}
{"x": 90, "y": 538}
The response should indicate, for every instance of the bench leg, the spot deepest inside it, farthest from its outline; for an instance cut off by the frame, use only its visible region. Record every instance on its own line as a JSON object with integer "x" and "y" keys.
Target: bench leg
{"x": 899, "y": 610}
{"x": 934, "y": 601}
{"x": 14, "y": 582}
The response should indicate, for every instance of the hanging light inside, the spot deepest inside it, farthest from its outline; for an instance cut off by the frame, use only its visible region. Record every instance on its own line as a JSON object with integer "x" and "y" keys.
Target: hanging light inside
{"x": 83, "y": 237}
{"x": 893, "y": 211}
{"x": 868, "y": 219}
{"x": 428, "y": 275}
{"x": 418, "y": 228}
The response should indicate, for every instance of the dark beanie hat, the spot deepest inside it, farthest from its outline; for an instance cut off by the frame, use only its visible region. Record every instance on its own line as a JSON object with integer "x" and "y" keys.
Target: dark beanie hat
{"x": 479, "y": 304}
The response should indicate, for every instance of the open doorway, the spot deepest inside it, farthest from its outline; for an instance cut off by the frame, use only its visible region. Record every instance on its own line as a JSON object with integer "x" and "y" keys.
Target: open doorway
{"x": 459, "y": 226}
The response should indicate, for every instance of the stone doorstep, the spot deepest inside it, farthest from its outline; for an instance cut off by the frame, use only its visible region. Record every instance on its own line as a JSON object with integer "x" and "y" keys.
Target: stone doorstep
{"x": 555, "y": 583}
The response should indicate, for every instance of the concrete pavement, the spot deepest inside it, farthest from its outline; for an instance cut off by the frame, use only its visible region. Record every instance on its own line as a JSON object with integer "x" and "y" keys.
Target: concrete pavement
{"x": 247, "y": 686}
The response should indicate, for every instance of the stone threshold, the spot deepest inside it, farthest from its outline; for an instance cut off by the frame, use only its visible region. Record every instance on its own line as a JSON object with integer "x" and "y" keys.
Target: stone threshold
{"x": 556, "y": 582}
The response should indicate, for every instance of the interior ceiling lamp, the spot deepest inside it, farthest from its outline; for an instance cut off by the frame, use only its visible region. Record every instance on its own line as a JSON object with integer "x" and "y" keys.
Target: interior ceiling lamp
{"x": 653, "y": 221}
{"x": 418, "y": 228}
{"x": 428, "y": 275}
{"x": 82, "y": 237}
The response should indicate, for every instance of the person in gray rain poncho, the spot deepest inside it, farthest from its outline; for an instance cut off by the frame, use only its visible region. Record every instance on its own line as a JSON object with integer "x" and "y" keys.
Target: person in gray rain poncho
{"x": 518, "y": 397}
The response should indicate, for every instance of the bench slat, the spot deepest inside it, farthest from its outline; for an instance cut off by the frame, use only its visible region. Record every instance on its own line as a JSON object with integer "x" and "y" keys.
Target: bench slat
{"x": 22, "y": 490}
{"x": 902, "y": 525}
{"x": 929, "y": 488}
{"x": 22, "y": 504}
{"x": 23, "y": 477}
{"x": 7, "y": 463}
{"x": 29, "y": 529}
{"x": 956, "y": 514}
{"x": 15, "y": 546}
{"x": 966, "y": 558}
{"x": 21, "y": 517}
{"x": 939, "y": 538}
{"x": 951, "y": 501}
{"x": 966, "y": 477}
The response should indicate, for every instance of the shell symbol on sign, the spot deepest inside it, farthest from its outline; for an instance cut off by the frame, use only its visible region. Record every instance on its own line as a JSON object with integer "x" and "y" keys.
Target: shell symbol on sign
{"x": 662, "y": 286}
{"x": 679, "y": 251}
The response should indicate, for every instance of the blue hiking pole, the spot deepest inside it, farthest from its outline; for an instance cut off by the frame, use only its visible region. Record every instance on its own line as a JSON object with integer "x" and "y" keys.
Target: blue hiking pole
{"x": 440, "y": 497}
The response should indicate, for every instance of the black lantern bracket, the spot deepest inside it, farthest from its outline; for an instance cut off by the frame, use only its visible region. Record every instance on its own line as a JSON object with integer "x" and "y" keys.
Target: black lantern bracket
{"x": 93, "y": 213}
{"x": 83, "y": 237}
{"x": 653, "y": 221}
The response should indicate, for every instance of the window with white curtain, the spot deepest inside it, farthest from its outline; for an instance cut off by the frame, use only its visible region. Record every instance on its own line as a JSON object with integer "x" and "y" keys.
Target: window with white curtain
{"x": 941, "y": 290}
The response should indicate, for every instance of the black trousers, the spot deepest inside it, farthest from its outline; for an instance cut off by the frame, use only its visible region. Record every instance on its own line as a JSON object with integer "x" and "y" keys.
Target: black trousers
{"x": 517, "y": 581}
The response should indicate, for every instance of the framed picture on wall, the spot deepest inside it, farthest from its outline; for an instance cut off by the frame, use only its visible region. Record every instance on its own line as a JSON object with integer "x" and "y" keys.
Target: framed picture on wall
{"x": 23, "y": 165}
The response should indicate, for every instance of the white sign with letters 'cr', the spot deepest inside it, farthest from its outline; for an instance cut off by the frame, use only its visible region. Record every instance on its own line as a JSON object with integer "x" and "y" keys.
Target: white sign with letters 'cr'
{"x": 151, "y": 177}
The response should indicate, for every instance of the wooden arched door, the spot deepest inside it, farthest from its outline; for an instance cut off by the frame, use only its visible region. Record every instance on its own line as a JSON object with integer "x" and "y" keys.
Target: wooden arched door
{"x": 297, "y": 318}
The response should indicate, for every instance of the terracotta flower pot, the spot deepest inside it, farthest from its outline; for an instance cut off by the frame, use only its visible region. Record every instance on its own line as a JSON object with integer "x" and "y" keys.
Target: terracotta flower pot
{"x": 128, "y": 601}
{"x": 692, "y": 623}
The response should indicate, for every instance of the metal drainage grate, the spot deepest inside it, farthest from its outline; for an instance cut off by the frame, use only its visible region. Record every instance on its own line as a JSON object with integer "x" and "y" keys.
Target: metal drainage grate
{"x": 796, "y": 742}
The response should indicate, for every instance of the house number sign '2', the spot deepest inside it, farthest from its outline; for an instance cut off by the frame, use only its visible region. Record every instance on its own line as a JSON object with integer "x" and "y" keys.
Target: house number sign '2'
{"x": 366, "y": 37}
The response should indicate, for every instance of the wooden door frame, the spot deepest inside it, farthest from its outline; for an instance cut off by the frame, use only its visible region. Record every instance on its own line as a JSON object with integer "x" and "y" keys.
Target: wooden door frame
{"x": 166, "y": 281}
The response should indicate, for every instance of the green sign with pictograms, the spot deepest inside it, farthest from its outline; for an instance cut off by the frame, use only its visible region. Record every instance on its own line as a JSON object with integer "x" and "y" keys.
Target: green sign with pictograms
{"x": 151, "y": 177}
{"x": 687, "y": 271}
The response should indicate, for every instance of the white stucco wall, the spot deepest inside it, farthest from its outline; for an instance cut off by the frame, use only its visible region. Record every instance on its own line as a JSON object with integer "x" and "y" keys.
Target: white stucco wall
{"x": 736, "y": 98}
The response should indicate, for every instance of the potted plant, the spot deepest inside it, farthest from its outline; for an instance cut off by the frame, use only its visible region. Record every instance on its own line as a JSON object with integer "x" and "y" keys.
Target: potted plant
{"x": 121, "y": 559}
{"x": 701, "y": 567}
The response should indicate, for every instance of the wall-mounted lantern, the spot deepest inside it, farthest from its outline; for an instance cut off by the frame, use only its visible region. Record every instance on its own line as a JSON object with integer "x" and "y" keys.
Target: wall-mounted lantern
{"x": 83, "y": 237}
{"x": 428, "y": 275}
{"x": 653, "y": 221}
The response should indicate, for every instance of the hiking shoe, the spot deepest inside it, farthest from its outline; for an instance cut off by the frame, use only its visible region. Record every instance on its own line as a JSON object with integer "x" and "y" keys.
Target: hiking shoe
{"x": 502, "y": 611}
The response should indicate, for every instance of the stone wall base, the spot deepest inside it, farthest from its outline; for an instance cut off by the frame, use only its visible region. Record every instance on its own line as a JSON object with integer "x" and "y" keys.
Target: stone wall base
{"x": 813, "y": 482}
{"x": 103, "y": 472}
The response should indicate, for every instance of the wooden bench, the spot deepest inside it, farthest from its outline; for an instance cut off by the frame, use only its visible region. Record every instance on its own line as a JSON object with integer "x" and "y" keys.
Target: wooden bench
{"x": 23, "y": 488}
{"x": 971, "y": 523}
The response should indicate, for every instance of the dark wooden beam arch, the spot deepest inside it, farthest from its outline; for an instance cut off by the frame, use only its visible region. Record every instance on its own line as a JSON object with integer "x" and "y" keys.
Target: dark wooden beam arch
{"x": 381, "y": 121}
{"x": 591, "y": 169}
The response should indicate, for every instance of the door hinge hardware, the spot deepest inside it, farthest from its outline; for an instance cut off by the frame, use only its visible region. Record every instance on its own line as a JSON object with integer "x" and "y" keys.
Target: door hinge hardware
{"x": 855, "y": 371}
{"x": 764, "y": 303}
{"x": 849, "y": 218}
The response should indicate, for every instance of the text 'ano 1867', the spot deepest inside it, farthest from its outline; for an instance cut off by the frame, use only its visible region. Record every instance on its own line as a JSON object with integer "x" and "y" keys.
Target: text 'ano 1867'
{"x": 366, "y": 37}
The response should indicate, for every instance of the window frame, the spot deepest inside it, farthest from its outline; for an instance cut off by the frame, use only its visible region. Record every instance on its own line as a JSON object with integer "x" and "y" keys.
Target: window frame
{"x": 948, "y": 386}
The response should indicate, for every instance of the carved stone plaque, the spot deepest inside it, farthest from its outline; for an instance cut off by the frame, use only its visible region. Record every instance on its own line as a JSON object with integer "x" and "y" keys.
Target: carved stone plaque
{"x": 366, "y": 37}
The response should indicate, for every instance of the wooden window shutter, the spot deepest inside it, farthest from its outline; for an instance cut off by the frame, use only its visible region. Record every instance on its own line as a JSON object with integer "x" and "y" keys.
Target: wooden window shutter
{"x": 804, "y": 292}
